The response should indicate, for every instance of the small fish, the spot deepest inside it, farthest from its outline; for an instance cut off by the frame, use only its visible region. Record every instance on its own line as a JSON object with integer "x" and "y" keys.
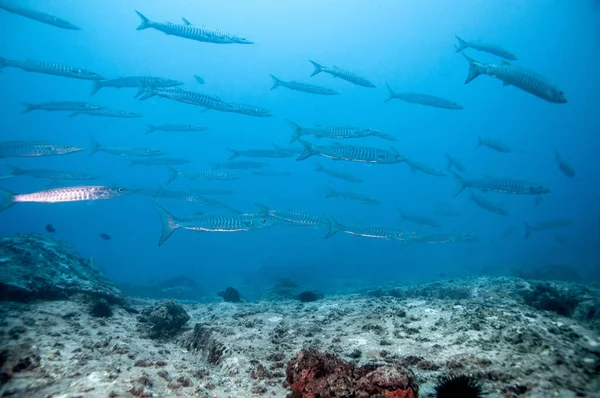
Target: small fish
{"x": 205, "y": 175}
{"x": 563, "y": 166}
{"x": 157, "y": 162}
{"x": 50, "y": 228}
{"x": 448, "y": 237}
{"x": 60, "y": 175}
{"x": 36, "y": 15}
{"x": 342, "y": 74}
{"x": 422, "y": 99}
{"x": 50, "y": 68}
{"x": 502, "y": 185}
{"x": 260, "y": 153}
{"x": 59, "y": 195}
{"x": 174, "y": 127}
{"x": 418, "y": 166}
{"x": 297, "y": 86}
{"x": 70, "y": 106}
{"x": 486, "y": 47}
{"x": 487, "y": 205}
{"x": 419, "y": 220}
{"x": 123, "y": 150}
{"x": 352, "y": 153}
{"x": 342, "y": 175}
{"x": 106, "y": 112}
{"x": 456, "y": 163}
{"x": 135, "y": 81}
{"x": 105, "y": 236}
{"x": 334, "y": 132}
{"x": 544, "y": 225}
{"x": 492, "y": 143}
{"x": 12, "y": 149}
{"x": 350, "y": 196}
{"x": 527, "y": 80}
{"x": 199, "y": 80}
{"x": 240, "y": 165}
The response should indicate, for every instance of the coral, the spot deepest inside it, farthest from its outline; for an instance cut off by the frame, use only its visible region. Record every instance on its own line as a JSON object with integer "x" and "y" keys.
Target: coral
{"x": 546, "y": 297}
{"x": 319, "y": 374}
{"x": 458, "y": 386}
{"x": 163, "y": 319}
{"x": 42, "y": 267}
{"x": 230, "y": 295}
{"x": 308, "y": 295}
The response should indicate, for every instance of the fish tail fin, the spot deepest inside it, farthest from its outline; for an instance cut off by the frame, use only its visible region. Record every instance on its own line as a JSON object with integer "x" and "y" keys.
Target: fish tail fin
{"x": 145, "y": 92}
{"x": 308, "y": 150}
{"x": 169, "y": 224}
{"x": 318, "y": 167}
{"x": 461, "y": 183}
{"x": 391, "y": 93}
{"x": 276, "y": 82}
{"x": 151, "y": 128}
{"x": 475, "y": 68}
{"x": 527, "y": 230}
{"x": 94, "y": 146}
{"x": 234, "y": 153}
{"x": 173, "y": 174}
{"x": 199, "y": 80}
{"x": 28, "y": 107}
{"x": 462, "y": 44}
{"x": 334, "y": 226}
{"x": 296, "y": 130}
{"x": 318, "y": 68}
{"x": 7, "y": 199}
{"x": 145, "y": 22}
{"x": 96, "y": 87}
{"x": 450, "y": 161}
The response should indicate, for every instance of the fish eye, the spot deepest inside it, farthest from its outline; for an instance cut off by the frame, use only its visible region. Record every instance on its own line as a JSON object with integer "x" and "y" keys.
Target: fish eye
{"x": 264, "y": 220}
{"x": 120, "y": 190}
{"x": 466, "y": 235}
{"x": 67, "y": 146}
{"x": 413, "y": 234}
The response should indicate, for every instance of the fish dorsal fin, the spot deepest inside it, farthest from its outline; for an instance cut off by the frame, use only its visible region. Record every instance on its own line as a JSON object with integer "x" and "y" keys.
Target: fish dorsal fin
{"x": 185, "y": 21}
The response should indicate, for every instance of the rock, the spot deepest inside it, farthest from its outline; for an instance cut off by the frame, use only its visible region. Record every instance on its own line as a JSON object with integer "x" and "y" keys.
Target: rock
{"x": 40, "y": 267}
{"x": 308, "y": 295}
{"x": 204, "y": 340}
{"x": 164, "y": 319}
{"x": 101, "y": 309}
{"x": 230, "y": 295}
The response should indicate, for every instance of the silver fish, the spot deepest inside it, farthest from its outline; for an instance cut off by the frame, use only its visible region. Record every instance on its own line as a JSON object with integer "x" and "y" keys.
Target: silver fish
{"x": 240, "y": 165}
{"x": 302, "y": 219}
{"x": 218, "y": 35}
{"x": 492, "y": 143}
{"x": 422, "y": 99}
{"x": 376, "y": 232}
{"x": 334, "y": 132}
{"x": 342, "y": 175}
{"x": 456, "y": 163}
{"x": 205, "y": 175}
{"x": 414, "y": 166}
{"x": 485, "y": 47}
{"x": 185, "y": 96}
{"x": 342, "y": 74}
{"x": 213, "y": 223}
{"x": 244, "y": 109}
{"x": 106, "y": 112}
{"x": 11, "y": 149}
{"x": 174, "y": 127}
{"x": 135, "y": 81}
{"x": 123, "y": 150}
{"x": 502, "y": 185}
{"x": 50, "y": 68}
{"x": 70, "y": 106}
{"x": 57, "y": 195}
{"x": 51, "y": 174}
{"x": 541, "y": 226}
{"x": 525, "y": 79}
{"x": 487, "y": 205}
{"x": 448, "y": 237}
{"x": 350, "y": 196}
{"x": 37, "y": 15}
{"x": 419, "y": 220}
{"x": 260, "y": 153}
{"x": 563, "y": 166}
{"x": 298, "y": 86}
{"x": 352, "y": 153}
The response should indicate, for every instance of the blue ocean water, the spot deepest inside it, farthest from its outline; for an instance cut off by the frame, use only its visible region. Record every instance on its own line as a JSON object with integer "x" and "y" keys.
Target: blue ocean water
{"x": 408, "y": 44}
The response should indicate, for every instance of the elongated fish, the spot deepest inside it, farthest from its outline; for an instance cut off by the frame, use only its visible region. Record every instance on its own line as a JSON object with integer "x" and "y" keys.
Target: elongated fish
{"x": 502, "y": 185}
{"x": 204, "y": 175}
{"x": 485, "y": 47}
{"x": 342, "y": 74}
{"x": 563, "y": 166}
{"x": 298, "y": 86}
{"x": 376, "y": 232}
{"x": 422, "y": 99}
{"x": 68, "y": 194}
{"x": 185, "y": 96}
{"x": 493, "y": 143}
{"x": 301, "y": 219}
{"x": 50, "y": 68}
{"x": 51, "y": 174}
{"x": 446, "y": 237}
{"x": 260, "y": 153}
{"x": 107, "y": 112}
{"x": 135, "y": 81}
{"x": 544, "y": 225}
{"x": 35, "y": 15}
{"x": 419, "y": 166}
{"x": 70, "y": 106}
{"x": 352, "y": 153}
{"x": 342, "y": 175}
{"x": 334, "y": 132}
{"x": 213, "y": 223}
{"x": 456, "y": 163}
{"x": 240, "y": 165}
{"x": 350, "y": 196}
{"x": 14, "y": 149}
{"x": 296, "y": 150}
{"x": 123, "y": 150}
{"x": 192, "y": 32}
{"x": 522, "y": 78}
{"x": 419, "y": 220}
{"x": 157, "y": 162}
{"x": 174, "y": 127}
{"x": 485, "y": 204}
{"x": 244, "y": 109}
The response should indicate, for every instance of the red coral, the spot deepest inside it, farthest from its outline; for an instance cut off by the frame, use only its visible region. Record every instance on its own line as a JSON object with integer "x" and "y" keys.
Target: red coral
{"x": 408, "y": 393}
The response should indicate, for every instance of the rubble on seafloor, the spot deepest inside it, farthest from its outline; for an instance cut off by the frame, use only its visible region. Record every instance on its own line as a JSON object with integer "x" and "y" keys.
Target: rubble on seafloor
{"x": 514, "y": 338}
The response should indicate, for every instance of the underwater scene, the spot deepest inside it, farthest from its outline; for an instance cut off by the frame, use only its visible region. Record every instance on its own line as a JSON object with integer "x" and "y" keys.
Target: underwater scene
{"x": 300, "y": 199}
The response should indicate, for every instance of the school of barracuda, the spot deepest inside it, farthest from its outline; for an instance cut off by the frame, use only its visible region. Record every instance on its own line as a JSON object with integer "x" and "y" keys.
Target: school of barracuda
{"x": 509, "y": 73}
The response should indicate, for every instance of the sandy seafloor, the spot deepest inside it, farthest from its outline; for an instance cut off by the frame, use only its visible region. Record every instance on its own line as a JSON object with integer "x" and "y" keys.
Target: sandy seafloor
{"x": 514, "y": 349}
